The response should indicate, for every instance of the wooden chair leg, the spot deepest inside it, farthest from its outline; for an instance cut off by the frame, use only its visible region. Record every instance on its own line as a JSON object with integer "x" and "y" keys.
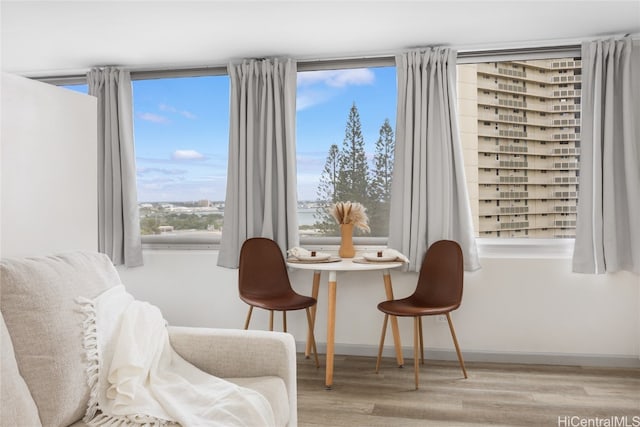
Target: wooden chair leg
{"x": 271, "y": 320}
{"x": 416, "y": 342}
{"x": 384, "y": 331}
{"x": 421, "y": 344}
{"x": 246, "y": 323}
{"x": 284, "y": 320}
{"x": 455, "y": 342}
{"x": 313, "y": 337}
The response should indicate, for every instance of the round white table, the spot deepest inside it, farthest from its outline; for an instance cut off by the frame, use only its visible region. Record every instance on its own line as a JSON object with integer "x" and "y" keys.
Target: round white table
{"x": 348, "y": 265}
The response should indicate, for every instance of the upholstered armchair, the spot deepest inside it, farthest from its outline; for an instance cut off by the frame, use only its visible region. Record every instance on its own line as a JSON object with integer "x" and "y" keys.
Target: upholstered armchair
{"x": 44, "y": 379}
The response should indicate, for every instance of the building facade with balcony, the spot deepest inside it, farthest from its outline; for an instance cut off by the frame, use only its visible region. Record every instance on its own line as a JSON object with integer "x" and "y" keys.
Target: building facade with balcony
{"x": 520, "y": 130}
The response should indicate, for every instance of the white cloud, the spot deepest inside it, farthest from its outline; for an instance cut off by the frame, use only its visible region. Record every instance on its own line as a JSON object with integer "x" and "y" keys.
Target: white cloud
{"x": 187, "y": 155}
{"x": 337, "y": 78}
{"x": 175, "y": 190}
{"x": 317, "y": 87}
{"x": 309, "y": 97}
{"x": 163, "y": 171}
{"x": 154, "y": 118}
{"x": 170, "y": 109}
{"x": 188, "y": 115}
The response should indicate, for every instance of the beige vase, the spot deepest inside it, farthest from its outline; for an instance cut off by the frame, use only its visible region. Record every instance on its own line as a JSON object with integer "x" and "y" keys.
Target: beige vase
{"x": 347, "y": 250}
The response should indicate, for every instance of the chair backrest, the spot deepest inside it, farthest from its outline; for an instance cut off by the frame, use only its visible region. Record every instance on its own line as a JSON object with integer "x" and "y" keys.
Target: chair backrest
{"x": 262, "y": 270}
{"x": 441, "y": 275}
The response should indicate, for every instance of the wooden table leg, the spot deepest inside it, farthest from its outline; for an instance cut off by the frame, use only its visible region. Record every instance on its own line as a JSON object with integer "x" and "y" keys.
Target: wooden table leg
{"x": 314, "y": 294}
{"x": 331, "y": 329}
{"x": 394, "y": 320}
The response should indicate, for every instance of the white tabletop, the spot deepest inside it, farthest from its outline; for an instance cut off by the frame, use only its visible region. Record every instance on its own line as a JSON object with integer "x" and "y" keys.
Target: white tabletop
{"x": 345, "y": 264}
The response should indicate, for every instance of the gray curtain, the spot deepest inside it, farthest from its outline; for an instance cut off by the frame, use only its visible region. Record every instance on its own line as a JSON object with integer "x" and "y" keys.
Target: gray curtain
{"x": 118, "y": 219}
{"x": 261, "y": 196}
{"x": 429, "y": 198}
{"x": 608, "y": 224}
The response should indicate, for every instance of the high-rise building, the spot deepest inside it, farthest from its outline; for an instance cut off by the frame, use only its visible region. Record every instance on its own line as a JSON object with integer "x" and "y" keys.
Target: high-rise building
{"x": 520, "y": 129}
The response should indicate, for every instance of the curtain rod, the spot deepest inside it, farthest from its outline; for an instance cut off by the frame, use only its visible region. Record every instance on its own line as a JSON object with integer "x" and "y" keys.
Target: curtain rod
{"x": 519, "y": 51}
{"x": 319, "y": 64}
{"x": 464, "y": 54}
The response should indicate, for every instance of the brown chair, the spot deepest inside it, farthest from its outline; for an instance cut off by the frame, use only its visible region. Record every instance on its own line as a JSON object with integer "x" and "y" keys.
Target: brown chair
{"x": 263, "y": 282}
{"x": 439, "y": 291}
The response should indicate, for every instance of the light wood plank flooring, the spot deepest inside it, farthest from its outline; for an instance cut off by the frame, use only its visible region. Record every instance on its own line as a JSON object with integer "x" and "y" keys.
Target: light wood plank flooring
{"x": 495, "y": 394}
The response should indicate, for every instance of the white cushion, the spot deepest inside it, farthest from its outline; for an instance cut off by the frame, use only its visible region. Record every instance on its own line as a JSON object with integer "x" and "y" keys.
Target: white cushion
{"x": 39, "y": 308}
{"x": 17, "y": 406}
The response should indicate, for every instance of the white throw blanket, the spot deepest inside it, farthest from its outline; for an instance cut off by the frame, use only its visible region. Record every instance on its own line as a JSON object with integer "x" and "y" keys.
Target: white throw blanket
{"x": 136, "y": 377}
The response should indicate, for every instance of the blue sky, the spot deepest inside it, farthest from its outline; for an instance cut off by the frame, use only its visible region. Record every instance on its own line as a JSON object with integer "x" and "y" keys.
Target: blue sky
{"x": 181, "y": 128}
{"x": 323, "y": 103}
{"x": 181, "y": 137}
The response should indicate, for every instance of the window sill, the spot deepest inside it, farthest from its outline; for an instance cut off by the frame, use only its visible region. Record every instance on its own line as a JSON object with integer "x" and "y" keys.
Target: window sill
{"x": 525, "y": 248}
{"x": 487, "y": 248}
{"x": 181, "y": 241}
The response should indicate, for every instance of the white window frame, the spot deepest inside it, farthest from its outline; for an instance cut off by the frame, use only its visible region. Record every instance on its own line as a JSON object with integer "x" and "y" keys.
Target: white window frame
{"x": 333, "y": 242}
{"x": 487, "y": 247}
{"x": 169, "y": 241}
{"x": 529, "y": 248}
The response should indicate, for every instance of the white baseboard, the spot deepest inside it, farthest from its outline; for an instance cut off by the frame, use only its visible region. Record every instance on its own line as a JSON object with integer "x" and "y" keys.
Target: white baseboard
{"x": 568, "y": 359}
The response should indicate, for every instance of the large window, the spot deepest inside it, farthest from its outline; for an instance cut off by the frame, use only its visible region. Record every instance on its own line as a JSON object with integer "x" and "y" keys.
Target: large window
{"x": 345, "y": 140}
{"x": 520, "y": 129}
{"x": 181, "y": 141}
{"x": 519, "y": 123}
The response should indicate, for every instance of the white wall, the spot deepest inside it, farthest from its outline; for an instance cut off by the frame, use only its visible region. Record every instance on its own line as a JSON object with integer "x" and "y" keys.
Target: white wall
{"x": 49, "y": 169}
{"x": 515, "y": 308}
{"x": 527, "y": 310}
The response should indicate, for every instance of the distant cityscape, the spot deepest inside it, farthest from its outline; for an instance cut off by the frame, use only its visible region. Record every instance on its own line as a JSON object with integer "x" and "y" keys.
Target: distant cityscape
{"x": 205, "y": 215}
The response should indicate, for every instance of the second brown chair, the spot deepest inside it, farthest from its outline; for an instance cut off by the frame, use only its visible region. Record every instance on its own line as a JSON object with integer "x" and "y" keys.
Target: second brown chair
{"x": 439, "y": 291}
{"x": 263, "y": 282}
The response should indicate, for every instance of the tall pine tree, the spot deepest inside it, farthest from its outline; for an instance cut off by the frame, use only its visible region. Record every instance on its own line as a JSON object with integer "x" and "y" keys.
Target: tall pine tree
{"x": 327, "y": 193}
{"x": 354, "y": 170}
{"x": 346, "y": 177}
{"x": 380, "y": 182}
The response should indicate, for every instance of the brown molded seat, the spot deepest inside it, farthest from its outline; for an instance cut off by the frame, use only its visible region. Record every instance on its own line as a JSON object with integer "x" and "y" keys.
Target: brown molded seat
{"x": 439, "y": 291}
{"x": 263, "y": 282}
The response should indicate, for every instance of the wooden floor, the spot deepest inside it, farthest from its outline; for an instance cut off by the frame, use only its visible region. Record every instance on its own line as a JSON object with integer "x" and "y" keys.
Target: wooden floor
{"x": 495, "y": 394}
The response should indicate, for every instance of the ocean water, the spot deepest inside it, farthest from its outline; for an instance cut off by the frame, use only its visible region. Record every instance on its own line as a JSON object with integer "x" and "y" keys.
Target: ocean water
{"x": 305, "y": 216}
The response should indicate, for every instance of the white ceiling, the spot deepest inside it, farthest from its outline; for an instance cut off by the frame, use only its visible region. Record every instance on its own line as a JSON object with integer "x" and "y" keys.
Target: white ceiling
{"x": 62, "y": 38}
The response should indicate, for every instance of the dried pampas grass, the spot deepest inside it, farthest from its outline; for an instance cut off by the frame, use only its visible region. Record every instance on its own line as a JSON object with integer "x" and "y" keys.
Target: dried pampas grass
{"x": 351, "y": 213}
